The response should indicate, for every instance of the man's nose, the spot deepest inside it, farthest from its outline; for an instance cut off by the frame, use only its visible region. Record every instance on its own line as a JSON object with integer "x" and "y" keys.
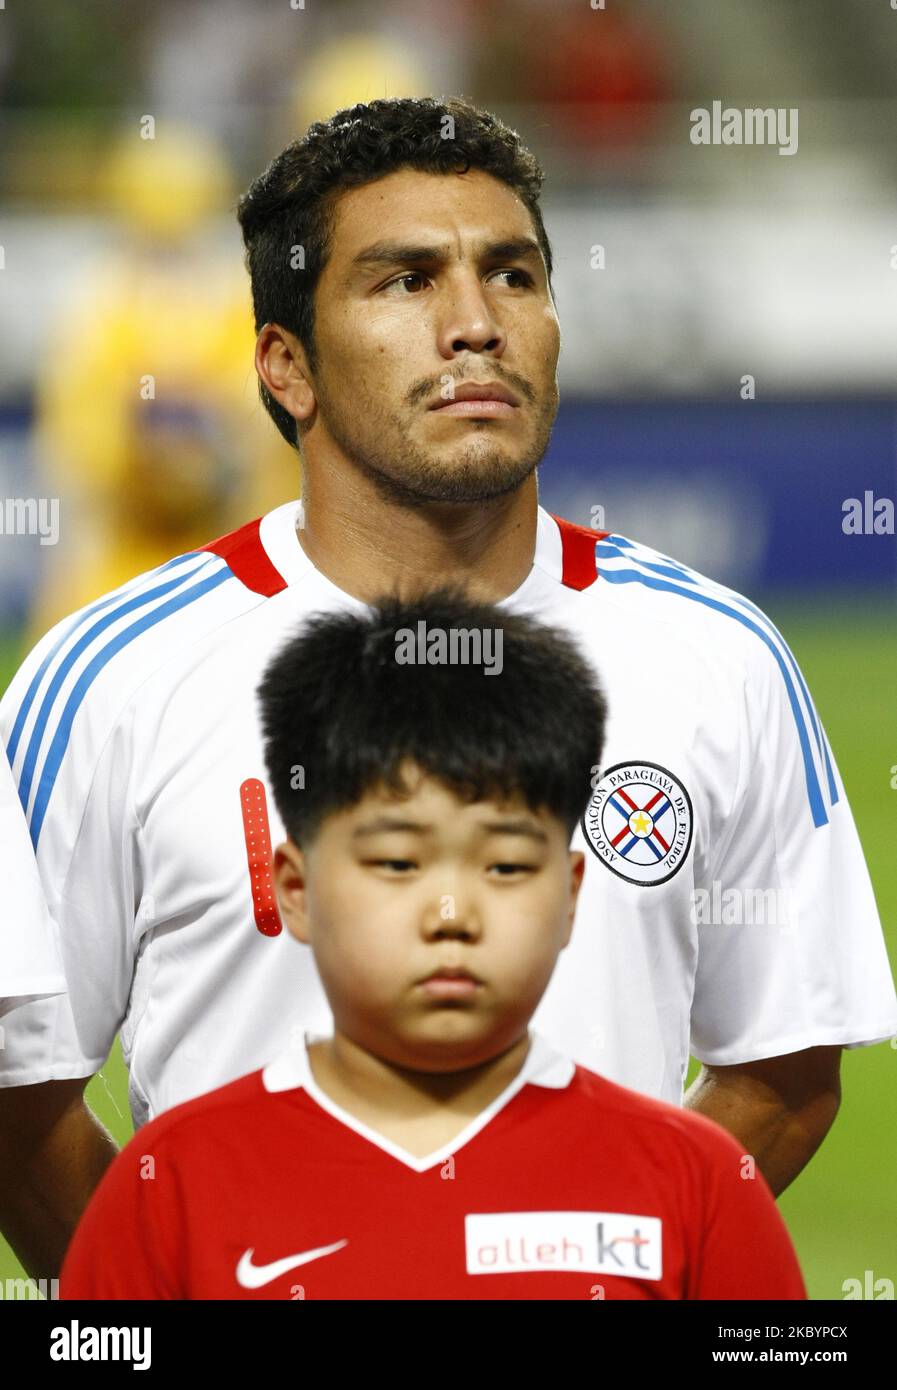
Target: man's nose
{"x": 468, "y": 323}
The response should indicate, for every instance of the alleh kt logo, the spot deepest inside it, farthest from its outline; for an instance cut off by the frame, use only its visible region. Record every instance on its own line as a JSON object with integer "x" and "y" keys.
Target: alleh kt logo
{"x": 639, "y": 822}
{"x": 592, "y": 1242}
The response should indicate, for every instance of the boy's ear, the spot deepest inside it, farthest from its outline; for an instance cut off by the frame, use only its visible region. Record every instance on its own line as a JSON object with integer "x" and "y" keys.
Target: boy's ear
{"x": 289, "y": 883}
{"x": 577, "y": 872}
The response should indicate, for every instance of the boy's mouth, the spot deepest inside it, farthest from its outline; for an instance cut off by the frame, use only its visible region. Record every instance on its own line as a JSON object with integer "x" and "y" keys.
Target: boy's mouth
{"x": 450, "y": 982}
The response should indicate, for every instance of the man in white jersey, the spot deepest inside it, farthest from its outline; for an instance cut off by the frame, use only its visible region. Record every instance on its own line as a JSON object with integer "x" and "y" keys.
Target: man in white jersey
{"x": 30, "y": 962}
{"x": 410, "y": 354}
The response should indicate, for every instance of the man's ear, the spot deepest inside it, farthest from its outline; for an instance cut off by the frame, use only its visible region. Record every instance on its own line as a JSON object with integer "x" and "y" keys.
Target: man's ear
{"x": 282, "y": 365}
{"x": 577, "y": 871}
{"x": 289, "y": 883}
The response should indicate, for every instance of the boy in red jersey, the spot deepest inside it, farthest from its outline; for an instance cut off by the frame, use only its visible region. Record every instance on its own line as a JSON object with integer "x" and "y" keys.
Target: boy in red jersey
{"x": 433, "y": 1147}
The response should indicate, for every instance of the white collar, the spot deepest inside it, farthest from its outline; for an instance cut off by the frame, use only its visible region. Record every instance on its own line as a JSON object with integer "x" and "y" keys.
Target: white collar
{"x": 277, "y": 533}
{"x": 543, "y": 1066}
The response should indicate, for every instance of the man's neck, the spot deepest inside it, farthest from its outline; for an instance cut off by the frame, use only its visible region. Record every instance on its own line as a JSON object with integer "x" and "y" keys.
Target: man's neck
{"x": 420, "y": 1111}
{"x": 367, "y": 546}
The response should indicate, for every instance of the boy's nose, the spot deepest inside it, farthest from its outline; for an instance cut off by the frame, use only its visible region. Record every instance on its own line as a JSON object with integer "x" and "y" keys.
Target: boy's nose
{"x": 450, "y": 915}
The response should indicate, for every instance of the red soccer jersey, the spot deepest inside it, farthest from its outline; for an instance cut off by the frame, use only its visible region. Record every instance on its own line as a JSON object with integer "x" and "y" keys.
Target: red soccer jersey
{"x": 567, "y": 1186}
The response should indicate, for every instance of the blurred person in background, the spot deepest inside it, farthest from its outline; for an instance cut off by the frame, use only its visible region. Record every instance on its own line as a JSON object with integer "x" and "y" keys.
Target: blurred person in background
{"x": 146, "y": 422}
{"x": 600, "y": 73}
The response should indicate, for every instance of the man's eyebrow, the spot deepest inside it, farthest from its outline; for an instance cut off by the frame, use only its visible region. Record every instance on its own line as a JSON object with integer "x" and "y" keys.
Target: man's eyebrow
{"x": 394, "y": 253}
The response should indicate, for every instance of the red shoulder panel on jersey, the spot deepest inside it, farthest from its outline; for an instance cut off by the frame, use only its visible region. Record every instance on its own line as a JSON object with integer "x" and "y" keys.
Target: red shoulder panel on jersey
{"x": 578, "y": 543}
{"x": 248, "y": 559}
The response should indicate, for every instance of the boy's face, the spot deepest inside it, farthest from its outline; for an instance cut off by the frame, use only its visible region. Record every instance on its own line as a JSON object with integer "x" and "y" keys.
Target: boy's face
{"x": 392, "y": 891}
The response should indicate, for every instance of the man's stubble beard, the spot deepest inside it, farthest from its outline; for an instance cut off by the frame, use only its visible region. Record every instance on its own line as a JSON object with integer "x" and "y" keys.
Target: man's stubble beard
{"x": 406, "y": 475}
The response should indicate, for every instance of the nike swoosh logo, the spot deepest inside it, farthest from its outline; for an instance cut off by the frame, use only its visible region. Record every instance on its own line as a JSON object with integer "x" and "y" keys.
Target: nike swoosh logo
{"x": 252, "y": 1276}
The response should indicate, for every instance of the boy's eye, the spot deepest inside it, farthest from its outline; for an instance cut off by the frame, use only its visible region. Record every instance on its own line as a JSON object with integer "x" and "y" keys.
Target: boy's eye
{"x": 401, "y": 866}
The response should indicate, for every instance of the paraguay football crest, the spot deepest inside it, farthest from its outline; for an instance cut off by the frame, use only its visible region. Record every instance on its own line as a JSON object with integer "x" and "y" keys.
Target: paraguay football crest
{"x": 639, "y": 822}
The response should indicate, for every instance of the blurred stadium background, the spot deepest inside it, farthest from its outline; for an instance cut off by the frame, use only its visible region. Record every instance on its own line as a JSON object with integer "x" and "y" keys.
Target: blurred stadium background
{"x": 121, "y": 258}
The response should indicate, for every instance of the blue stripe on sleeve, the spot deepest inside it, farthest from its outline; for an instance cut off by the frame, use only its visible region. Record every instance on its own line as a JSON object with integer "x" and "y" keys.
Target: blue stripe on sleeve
{"x": 814, "y": 791}
{"x": 79, "y": 690}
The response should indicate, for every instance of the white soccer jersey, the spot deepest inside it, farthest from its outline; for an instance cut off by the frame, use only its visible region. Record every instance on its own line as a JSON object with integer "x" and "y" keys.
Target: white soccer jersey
{"x": 725, "y": 895}
{"x": 30, "y": 962}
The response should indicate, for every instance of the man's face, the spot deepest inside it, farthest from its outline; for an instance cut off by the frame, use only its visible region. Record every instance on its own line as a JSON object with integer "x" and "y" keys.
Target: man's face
{"x": 395, "y": 889}
{"x": 435, "y": 281}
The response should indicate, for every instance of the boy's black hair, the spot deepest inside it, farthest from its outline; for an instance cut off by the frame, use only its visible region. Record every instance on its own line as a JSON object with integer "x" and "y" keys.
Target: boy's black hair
{"x": 291, "y": 204}
{"x": 340, "y": 714}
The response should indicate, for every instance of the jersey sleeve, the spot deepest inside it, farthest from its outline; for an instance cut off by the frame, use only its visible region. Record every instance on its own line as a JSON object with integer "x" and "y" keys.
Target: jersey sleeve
{"x": 744, "y": 1250}
{"x": 30, "y": 962}
{"x": 72, "y": 765}
{"x": 126, "y": 1243}
{"x": 790, "y": 948}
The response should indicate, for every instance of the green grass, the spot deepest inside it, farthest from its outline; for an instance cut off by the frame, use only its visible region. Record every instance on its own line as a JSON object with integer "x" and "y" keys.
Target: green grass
{"x": 842, "y": 1210}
